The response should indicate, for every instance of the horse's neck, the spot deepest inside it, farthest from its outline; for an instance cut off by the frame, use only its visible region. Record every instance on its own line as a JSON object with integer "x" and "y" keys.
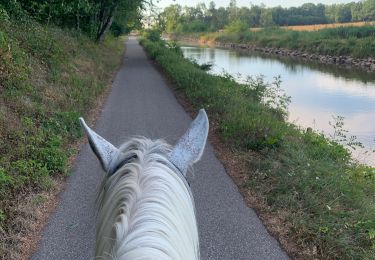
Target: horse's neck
{"x": 152, "y": 214}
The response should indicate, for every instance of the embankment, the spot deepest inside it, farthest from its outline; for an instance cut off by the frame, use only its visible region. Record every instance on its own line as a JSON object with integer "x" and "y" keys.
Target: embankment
{"x": 311, "y": 194}
{"x": 367, "y": 64}
{"x": 48, "y": 78}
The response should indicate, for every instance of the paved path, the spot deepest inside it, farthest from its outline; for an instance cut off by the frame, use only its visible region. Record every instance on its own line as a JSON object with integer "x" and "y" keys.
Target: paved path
{"x": 141, "y": 104}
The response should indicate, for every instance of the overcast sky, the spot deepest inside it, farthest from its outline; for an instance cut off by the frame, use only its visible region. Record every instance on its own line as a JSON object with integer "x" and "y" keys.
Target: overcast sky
{"x": 225, "y": 3}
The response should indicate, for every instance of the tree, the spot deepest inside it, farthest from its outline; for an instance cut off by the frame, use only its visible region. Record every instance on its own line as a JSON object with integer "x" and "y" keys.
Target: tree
{"x": 172, "y": 16}
{"x": 356, "y": 9}
{"x": 232, "y": 10}
{"x": 254, "y": 19}
{"x": 237, "y": 26}
{"x": 266, "y": 19}
{"x": 368, "y": 10}
{"x": 343, "y": 13}
{"x": 330, "y": 13}
{"x": 109, "y": 9}
{"x": 222, "y": 18}
{"x": 93, "y": 17}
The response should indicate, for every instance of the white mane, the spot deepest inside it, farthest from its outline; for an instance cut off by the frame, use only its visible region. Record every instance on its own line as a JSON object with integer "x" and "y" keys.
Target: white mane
{"x": 146, "y": 209}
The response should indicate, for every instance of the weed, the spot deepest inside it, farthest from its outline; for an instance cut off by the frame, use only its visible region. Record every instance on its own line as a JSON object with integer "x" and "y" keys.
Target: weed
{"x": 340, "y": 134}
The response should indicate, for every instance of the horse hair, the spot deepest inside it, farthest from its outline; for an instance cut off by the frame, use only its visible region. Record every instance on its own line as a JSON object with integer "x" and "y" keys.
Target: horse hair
{"x": 146, "y": 208}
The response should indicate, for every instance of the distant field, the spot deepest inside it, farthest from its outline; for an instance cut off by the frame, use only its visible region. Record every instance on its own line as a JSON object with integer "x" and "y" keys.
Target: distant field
{"x": 316, "y": 27}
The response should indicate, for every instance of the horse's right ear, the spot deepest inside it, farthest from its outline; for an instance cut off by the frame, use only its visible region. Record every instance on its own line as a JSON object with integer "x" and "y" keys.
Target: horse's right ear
{"x": 104, "y": 150}
{"x": 190, "y": 147}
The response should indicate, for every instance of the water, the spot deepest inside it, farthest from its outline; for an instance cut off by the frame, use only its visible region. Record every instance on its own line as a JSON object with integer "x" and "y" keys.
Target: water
{"x": 318, "y": 91}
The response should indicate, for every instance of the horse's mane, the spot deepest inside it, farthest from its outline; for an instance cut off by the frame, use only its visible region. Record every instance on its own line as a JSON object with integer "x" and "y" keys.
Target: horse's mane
{"x": 146, "y": 210}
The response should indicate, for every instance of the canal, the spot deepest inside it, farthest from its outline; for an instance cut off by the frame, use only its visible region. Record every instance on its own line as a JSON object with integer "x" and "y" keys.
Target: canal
{"x": 319, "y": 92}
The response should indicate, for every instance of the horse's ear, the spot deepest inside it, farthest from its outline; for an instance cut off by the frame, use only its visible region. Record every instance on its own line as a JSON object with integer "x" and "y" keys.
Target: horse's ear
{"x": 190, "y": 147}
{"x": 103, "y": 149}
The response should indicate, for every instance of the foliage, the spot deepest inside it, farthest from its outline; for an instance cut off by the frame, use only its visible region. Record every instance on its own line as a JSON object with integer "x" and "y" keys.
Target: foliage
{"x": 178, "y": 19}
{"x": 237, "y": 26}
{"x": 271, "y": 95}
{"x": 325, "y": 199}
{"x": 340, "y": 134}
{"x": 175, "y": 46}
{"x": 153, "y": 34}
{"x": 204, "y": 66}
{"x": 92, "y": 17}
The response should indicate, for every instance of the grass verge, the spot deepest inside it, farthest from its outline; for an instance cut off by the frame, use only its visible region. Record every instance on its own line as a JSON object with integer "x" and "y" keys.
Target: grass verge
{"x": 358, "y": 42}
{"x": 324, "y": 200}
{"x": 48, "y": 78}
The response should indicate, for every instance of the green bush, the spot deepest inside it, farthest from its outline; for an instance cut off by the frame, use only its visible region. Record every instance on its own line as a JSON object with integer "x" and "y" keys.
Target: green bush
{"x": 63, "y": 124}
{"x": 152, "y": 34}
{"x": 237, "y": 26}
{"x": 51, "y": 155}
{"x": 28, "y": 172}
{"x": 4, "y": 17}
{"x": 6, "y": 181}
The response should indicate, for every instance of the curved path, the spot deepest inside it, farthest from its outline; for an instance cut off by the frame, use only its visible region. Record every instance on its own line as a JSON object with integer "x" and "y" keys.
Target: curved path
{"x": 140, "y": 103}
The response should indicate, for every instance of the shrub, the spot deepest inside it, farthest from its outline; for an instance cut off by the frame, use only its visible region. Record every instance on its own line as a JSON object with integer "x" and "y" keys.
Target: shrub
{"x": 152, "y": 34}
{"x": 237, "y": 26}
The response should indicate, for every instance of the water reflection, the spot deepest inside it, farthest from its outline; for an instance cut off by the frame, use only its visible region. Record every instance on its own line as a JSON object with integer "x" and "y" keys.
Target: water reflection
{"x": 318, "y": 91}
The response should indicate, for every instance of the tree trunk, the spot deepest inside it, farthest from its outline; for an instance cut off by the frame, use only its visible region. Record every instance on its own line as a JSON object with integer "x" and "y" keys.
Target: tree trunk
{"x": 106, "y": 20}
{"x": 77, "y": 22}
{"x": 104, "y": 29}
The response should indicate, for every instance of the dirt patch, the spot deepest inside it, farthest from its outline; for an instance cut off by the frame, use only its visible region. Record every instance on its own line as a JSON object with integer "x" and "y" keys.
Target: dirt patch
{"x": 40, "y": 205}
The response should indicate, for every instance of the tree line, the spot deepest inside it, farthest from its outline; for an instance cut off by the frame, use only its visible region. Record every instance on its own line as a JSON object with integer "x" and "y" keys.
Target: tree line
{"x": 176, "y": 18}
{"x": 92, "y": 17}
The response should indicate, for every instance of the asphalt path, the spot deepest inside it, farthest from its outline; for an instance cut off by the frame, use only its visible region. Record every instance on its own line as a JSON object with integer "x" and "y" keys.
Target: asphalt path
{"x": 140, "y": 103}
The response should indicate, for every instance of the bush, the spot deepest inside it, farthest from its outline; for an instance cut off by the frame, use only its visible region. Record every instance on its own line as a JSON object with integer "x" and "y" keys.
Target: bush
{"x": 152, "y": 34}
{"x": 28, "y": 172}
{"x": 237, "y": 26}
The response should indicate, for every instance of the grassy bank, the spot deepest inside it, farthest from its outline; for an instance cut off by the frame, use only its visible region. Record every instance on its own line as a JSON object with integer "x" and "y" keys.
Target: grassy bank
{"x": 324, "y": 200}
{"x": 358, "y": 42}
{"x": 48, "y": 78}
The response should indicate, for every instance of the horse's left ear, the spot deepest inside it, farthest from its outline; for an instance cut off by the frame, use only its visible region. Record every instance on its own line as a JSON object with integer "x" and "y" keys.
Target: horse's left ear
{"x": 104, "y": 150}
{"x": 190, "y": 147}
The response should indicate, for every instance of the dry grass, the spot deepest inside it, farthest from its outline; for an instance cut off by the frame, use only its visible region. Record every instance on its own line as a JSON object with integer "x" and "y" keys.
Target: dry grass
{"x": 316, "y": 27}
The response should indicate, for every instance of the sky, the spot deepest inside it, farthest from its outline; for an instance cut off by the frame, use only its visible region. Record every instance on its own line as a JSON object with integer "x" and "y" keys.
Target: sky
{"x": 269, "y": 3}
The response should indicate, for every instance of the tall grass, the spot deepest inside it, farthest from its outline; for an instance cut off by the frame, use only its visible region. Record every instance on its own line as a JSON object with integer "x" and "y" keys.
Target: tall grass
{"x": 352, "y": 41}
{"x": 325, "y": 199}
{"x": 48, "y": 78}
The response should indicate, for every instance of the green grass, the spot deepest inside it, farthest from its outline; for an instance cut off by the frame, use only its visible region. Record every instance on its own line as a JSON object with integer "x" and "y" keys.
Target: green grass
{"x": 352, "y": 41}
{"x": 325, "y": 199}
{"x": 48, "y": 78}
